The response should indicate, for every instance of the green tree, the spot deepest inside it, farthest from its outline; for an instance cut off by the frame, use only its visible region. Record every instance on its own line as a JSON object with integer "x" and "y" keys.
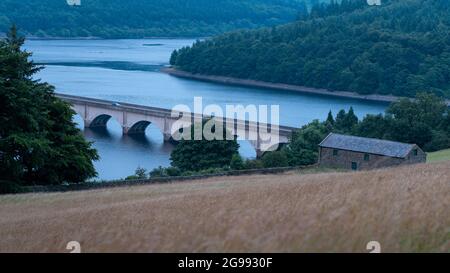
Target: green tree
{"x": 236, "y": 162}
{"x": 197, "y": 155}
{"x": 330, "y": 119}
{"x": 275, "y": 159}
{"x": 158, "y": 172}
{"x": 139, "y": 174}
{"x": 339, "y": 124}
{"x": 39, "y": 142}
{"x": 173, "y": 171}
{"x": 413, "y": 121}
{"x": 303, "y": 147}
{"x": 440, "y": 140}
{"x": 346, "y": 122}
{"x": 374, "y": 126}
{"x": 446, "y": 122}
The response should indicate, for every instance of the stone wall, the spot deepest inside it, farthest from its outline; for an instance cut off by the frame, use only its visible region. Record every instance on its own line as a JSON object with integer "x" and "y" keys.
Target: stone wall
{"x": 161, "y": 180}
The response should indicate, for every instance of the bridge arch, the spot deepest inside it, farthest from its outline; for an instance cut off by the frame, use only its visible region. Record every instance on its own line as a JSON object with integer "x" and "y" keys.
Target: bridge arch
{"x": 137, "y": 124}
{"x": 247, "y": 150}
{"x": 95, "y": 117}
{"x": 138, "y": 128}
{"x": 261, "y": 146}
{"x": 100, "y": 121}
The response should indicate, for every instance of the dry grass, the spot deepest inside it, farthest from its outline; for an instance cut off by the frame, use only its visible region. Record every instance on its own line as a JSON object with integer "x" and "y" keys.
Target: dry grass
{"x": 405, "y": 209}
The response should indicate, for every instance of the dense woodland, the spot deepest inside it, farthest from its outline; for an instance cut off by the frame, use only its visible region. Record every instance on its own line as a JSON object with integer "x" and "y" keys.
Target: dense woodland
{"x": 145, "y": 18}
{"x": 401, "y": 47}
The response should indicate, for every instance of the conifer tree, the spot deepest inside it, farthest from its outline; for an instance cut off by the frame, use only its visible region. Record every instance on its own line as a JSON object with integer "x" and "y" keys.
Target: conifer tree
{"x": 39, "y": 142}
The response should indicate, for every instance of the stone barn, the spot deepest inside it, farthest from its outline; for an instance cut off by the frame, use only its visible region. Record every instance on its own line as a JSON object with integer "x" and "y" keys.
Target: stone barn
{"x": 359, "y": 153}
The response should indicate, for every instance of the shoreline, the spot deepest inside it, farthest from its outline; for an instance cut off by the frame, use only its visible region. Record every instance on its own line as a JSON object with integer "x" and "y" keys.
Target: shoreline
{"x": 281, "y": 86}
{"x": 94, "y": 38}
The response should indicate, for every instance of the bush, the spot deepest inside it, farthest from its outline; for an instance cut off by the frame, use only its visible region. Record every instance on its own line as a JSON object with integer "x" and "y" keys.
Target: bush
{"x": 132, "y": 177}
{"x": 189, "y": 173}
{"x": 236, "y": 162}
{"x": 158, "y": 172}
{"x": 139, "y": 174}
{"x": 211, "y": 171}
{"x": 206, "y": 172}
{"x": 275, "y": 160}
{"x": 7, "y": 187}
{"x": 253, "y": 164}
{"x": 173, "y": 171}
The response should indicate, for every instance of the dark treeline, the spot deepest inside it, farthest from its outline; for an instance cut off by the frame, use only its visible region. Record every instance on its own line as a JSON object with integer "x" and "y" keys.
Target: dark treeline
{"x": 399, "y": 48}
{"x": 144, "y": 18}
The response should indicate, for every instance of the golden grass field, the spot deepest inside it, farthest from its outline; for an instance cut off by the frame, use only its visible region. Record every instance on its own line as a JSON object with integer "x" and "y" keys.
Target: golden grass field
{"x": 405, "y": 209}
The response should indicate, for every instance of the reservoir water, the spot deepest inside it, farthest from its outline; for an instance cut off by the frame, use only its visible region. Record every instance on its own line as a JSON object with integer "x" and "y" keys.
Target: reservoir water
{"x": 128, "y": 71}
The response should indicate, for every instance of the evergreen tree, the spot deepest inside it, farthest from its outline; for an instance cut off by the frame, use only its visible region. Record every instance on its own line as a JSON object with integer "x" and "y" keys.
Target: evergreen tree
{"x": 39, "y": 142}
{"x": 330, "y": 118}
{"x": 339, "y": 124}
{"x": 351, "y": 120}
{"x": 330, "y": 123}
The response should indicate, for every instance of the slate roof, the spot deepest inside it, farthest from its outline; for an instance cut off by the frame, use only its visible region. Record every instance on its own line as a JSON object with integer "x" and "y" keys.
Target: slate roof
{"x": 367, "y": 145}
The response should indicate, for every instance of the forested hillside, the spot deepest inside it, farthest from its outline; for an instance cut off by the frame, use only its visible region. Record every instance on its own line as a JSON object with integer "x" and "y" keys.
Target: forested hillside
{"x": 145, "y": 18}
{"x": 400, "y": 48}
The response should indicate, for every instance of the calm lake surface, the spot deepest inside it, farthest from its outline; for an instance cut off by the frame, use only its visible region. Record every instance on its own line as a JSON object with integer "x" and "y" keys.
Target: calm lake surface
{"x": 128, "y": 71}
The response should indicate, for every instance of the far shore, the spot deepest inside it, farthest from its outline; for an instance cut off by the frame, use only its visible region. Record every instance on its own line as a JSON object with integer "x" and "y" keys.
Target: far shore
{"x": 93, "y": 38}
{"x": 280, "y": 86}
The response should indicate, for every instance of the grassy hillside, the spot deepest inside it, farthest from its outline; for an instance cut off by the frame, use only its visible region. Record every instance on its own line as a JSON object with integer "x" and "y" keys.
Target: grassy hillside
{"x": 405, "y": 209}
{"x": 401, "y": 47}
{"x": 439, "y": 156}
{"x": 144, "y": 18}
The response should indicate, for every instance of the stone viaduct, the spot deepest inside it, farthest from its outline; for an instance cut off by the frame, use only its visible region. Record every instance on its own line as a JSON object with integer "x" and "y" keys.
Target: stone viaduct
{"x": 134, "y": 119}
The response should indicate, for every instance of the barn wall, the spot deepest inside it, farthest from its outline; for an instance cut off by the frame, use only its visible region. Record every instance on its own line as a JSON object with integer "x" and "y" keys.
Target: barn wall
{"x": 345, "y": 158}
{"x": 421, "y": 157}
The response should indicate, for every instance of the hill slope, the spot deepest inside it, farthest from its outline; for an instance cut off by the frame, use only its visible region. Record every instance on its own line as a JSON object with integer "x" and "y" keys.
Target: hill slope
{"x": 399, "y": 48}
{"x": 439, "y": 156}
{"x": 405, "y": 209}
{"x": 144, "y": 18}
